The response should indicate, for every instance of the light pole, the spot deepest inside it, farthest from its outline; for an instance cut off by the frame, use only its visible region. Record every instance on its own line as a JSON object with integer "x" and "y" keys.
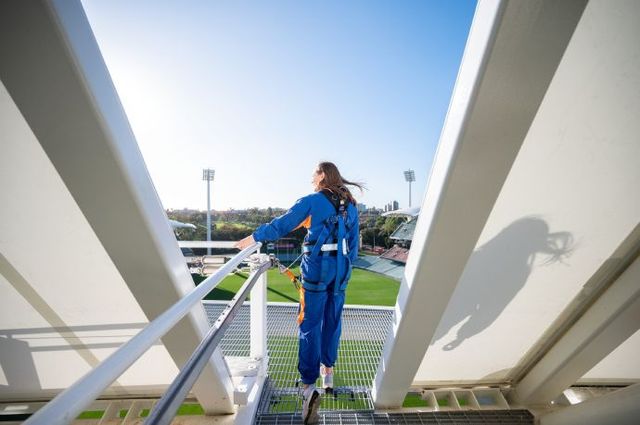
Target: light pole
{"x": 208, "y": 174}
{"x": 410, "y": 176}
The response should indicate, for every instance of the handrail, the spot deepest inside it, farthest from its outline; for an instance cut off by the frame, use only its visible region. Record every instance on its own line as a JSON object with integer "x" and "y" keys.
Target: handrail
{"x": 67, "y": 405}
{"x": 166, "y": 408}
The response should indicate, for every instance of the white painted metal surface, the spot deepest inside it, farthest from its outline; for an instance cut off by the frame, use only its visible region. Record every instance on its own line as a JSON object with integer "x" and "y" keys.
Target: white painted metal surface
{"x": 406, "y": 343}
{"x": 49, "y": 259}
{"x": 621, "y": 365}
{"x": 613, "y": 318}
{"x": 70, "y": 403}
{"x": 53, "y": 70}
{"x": 258, "y": 306}
{"x": 620, "y": 407}
{"x": 511, "y": 56}
{"x": 567, "y": 205}
{"x": 179, "y": 225}
{"x": 472, "y": 399}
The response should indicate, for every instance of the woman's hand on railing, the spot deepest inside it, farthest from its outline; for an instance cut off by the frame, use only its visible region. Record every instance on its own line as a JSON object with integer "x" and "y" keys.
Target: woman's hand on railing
{"x": 242, "y": 244}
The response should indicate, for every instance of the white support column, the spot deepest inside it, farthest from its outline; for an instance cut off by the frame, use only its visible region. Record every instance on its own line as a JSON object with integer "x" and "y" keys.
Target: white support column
{"x": 613, "y": 318}
{"x": 259, "y": 318}
{"x": 258, "y": 339}
{"x": 52, "y": 68}
{"x": 512, "y": 53}
{"x": 621, "y": 407}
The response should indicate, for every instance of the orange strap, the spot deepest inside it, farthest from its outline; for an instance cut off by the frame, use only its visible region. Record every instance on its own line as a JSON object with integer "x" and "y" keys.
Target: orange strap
{"x": 306, "y": 223}
{"x": 299, "y": 287}
{"x": 301, "y": 314}
{"x": 290, "y": 275}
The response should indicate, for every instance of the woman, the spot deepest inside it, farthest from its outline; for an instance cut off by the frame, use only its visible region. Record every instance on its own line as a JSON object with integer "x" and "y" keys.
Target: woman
{"x": 330, "y": 247}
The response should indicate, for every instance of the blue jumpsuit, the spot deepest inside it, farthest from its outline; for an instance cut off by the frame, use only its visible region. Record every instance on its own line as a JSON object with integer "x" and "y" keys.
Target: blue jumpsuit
{"x": 325, "y": 275}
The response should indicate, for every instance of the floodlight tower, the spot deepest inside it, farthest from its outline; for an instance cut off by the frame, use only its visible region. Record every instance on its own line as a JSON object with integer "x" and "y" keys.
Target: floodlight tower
{"x": 208, "y": 174}
{"x": 410, "y": 176}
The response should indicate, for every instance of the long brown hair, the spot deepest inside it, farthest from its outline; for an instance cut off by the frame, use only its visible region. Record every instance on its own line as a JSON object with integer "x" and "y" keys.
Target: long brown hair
{"x": 334, "y": 182}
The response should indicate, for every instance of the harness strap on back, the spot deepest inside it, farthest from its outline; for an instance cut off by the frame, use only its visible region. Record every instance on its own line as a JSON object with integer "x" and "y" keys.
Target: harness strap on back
{"x": 339, "y": 223}
{"x": 324, "y": 234}
{"x": 341, "y": 273}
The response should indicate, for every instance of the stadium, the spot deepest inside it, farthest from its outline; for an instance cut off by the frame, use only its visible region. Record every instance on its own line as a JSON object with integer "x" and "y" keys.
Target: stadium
{"x": 518, "y": 299}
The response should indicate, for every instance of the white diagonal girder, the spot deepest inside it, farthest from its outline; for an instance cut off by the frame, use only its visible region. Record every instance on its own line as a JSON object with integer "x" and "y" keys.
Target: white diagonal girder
{"x": 53, "y": 70}
{"x": 511, "y": 56}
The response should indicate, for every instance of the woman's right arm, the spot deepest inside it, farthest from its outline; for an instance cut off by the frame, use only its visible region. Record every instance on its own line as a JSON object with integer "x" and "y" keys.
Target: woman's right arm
{"x": 281, "y": 226}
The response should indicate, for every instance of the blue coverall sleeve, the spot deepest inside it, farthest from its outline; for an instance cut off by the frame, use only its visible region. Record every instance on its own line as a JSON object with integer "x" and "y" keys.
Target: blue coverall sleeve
{"x": 281, "y": 226}
{"x": 354, "y": 239}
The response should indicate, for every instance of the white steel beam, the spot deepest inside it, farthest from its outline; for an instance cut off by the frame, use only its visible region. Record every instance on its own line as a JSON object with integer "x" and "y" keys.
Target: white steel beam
{"x": 258, "y": 311}
{"x": 619, "y": 407}
{"x": 511, "y": 56}
{"x": 52, "y": 67}
{"x": 612, "y": 318}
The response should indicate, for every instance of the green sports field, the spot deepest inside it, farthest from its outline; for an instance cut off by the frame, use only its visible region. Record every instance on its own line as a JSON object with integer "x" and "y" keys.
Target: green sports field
{"x": 365, "y": 288}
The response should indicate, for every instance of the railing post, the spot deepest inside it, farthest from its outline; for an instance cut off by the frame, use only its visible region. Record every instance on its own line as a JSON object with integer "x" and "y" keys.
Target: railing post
{"x": 258, "y": 311}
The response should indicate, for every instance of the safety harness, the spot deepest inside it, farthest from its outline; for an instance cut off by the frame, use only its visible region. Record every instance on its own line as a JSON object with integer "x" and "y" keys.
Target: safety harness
{"x": 332, "y": 240}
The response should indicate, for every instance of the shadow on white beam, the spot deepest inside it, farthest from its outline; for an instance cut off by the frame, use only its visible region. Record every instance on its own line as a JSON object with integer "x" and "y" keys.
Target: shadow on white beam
{"x": 511, "y": 56}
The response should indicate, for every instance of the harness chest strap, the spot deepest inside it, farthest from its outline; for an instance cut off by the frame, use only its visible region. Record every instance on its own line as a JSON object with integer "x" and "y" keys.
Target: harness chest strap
{"x": 328, "y": 247}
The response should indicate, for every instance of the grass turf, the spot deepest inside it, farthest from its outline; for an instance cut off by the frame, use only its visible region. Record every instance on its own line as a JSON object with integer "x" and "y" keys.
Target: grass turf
{"x": 186, "y": 409}
{"x": 365, "y": 288}
{"x": 234, "y": 224}
{"x": 414, "y": 400}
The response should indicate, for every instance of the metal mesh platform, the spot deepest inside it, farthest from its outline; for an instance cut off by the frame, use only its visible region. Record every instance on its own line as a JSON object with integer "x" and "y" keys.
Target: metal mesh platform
{"x": 363, "y": 333}
{"x": 493, "y": 417}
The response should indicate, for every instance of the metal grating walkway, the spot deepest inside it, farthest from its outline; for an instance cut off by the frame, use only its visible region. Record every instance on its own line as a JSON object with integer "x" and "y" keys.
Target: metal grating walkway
{"x": 493, "y": 417}
{"x": 363, "y": 333}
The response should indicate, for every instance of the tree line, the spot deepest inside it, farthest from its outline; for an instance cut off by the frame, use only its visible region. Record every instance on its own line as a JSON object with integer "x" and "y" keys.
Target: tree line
{"x": 232, "y": 225}
{"x": 376, "y": 231}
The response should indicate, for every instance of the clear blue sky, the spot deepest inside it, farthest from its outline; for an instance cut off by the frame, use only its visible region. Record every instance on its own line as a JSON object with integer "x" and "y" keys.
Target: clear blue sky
{"x": 261, "y": 91}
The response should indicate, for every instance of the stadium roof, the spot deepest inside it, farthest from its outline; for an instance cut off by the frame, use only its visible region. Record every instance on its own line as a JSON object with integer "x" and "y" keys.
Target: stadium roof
{"x": 403, "y": 212}
{"x": 404, "y": 231}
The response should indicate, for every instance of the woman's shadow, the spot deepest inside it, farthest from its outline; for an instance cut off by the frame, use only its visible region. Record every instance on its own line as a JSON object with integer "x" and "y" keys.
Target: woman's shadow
{"x": 496, "y": 272}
